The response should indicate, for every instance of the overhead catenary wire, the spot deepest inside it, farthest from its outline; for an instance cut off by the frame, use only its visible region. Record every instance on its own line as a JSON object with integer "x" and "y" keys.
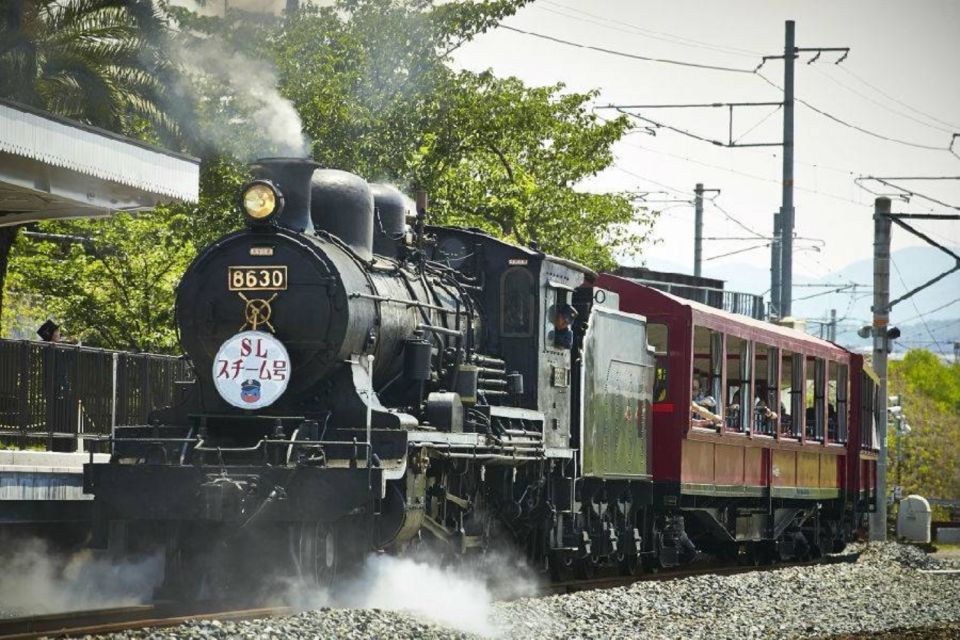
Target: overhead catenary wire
{"x": 624, "y": 54}
{"x": 913, "y": 301}
{"x": 878, "y": 103}
{"x": 760, "y": 122}
{"x": 737, "y": 172}
{"x": 850, "y": 72}
{"x": 735, "y": 252}
{"x": 755, "y": 71}
{"x": 744, "y": 174}
{"x": 928, "y": 312}
{"x": 619, "y": 25}
{"x": 855, "y": 127}
{"x": 733, "y": 219}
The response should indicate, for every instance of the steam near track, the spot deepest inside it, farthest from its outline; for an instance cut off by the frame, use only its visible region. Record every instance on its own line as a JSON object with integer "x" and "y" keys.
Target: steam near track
{"x": 889, "y": 587}
{"x": 36, "y": 579}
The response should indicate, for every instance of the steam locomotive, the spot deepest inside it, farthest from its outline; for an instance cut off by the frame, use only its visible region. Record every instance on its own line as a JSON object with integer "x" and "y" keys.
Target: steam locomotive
{"x": 366, "y": 381}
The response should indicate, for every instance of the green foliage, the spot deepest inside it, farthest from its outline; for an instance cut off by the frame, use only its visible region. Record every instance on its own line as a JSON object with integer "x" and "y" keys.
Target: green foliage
{"x": 923, "y": 373}
{"x": 930, "y": 398}
{"x": 116, "y": 287}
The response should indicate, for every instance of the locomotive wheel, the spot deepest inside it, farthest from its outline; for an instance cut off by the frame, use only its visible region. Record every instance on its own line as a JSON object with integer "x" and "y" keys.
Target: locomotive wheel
{"x": 561, "y": 566}
{"x": 315, "y": 553}
{"x": 586, "y": 568}
{"x": 631, "y": 565}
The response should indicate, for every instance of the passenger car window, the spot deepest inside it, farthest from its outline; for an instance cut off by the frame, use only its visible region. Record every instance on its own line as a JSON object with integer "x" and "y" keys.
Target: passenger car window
{"x": 837, "y": 397}
{"x": 739, "y": 393}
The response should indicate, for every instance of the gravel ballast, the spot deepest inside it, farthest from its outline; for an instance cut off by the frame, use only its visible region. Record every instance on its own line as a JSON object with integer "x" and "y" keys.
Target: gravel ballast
{"x": 888, "y": 587}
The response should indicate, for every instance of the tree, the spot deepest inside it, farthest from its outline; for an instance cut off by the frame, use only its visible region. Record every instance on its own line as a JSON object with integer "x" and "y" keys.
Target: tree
{"x": 929, "y": 392}
{"x": 112, "y": 281}
{"x": 95, "y": 61}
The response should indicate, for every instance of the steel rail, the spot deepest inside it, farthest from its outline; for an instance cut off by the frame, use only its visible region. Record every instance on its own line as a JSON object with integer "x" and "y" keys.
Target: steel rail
{"x": 613, "y": 581}
{"x": 101, "y": 621}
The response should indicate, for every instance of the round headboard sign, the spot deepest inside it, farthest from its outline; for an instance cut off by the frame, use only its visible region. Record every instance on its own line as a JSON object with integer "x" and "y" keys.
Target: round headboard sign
{"x": 251, "y": 370}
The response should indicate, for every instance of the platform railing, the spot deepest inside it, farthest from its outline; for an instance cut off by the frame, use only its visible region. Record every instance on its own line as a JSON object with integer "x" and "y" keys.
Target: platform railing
{"x": 52, "y": 394}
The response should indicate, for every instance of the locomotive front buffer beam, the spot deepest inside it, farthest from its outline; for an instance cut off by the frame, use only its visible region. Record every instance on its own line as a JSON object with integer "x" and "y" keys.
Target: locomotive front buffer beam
{"x": 238, "y": 496}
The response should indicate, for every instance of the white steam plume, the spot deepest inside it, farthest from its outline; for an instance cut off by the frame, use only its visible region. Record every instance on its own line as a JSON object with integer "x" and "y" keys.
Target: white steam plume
{"x": 37, "y": 580}
{"x": 249, "y": 118}
{"x": 457, "y": 596}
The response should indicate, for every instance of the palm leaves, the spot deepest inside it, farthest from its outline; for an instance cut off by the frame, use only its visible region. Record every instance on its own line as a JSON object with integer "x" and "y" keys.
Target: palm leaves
{"x": 96, "y": 61}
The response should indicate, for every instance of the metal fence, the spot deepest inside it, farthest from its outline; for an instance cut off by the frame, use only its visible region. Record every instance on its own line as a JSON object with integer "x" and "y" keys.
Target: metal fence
{"x": 52, "y": 392}
{"x": 746, "y": 304}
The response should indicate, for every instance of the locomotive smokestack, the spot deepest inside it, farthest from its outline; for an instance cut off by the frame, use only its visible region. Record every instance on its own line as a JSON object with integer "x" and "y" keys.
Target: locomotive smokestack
{"x": 292, "y": 178}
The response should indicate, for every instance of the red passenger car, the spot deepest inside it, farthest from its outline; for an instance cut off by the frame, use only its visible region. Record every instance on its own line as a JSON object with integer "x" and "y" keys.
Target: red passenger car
{"x": 761, "y": 433}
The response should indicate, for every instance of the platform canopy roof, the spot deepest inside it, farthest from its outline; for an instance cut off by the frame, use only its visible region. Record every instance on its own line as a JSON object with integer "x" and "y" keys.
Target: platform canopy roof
{"x": 52, "y": 167}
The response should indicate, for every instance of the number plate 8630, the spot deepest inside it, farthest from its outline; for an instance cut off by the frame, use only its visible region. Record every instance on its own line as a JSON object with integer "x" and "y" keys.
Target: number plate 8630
{"x": 257, "y": 278}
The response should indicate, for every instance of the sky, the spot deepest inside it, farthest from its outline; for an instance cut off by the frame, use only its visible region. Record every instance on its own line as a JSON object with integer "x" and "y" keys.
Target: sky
{"x": 900, "y": 80}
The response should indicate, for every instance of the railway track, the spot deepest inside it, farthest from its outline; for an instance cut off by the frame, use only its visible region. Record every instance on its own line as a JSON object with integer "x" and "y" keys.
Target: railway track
{"x": 98, "y": 621}
{"x": 609, "y": 582}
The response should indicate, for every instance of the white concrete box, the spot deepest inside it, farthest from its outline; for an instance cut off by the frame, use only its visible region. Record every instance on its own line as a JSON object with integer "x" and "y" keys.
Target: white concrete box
{"x": 913, "y": 519}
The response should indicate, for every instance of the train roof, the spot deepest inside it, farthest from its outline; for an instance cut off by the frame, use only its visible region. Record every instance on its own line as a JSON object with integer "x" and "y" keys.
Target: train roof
{"x": 520, "y": 249}
{"x": 651, "y": 302}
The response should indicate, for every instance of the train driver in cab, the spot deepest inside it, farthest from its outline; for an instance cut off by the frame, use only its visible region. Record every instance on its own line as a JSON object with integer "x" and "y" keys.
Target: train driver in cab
{"x": 562, "y": 320}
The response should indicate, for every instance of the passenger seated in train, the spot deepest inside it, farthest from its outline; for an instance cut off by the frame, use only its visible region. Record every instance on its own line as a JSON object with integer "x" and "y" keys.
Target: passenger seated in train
{"x": 562, "y": 334}
{"x": 832, "y": 422}
{"x": 764, "y": 416}
{"x": 700, "y": 407}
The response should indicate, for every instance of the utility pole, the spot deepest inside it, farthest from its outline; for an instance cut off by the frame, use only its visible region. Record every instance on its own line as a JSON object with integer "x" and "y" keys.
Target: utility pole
{"x": 781, "y": 290}
{"x": 881, "y": 347}
{"x": 775, "y": 255}
{"x": 786, "y": 208}
{"x": 698, "y": 192}
{"x": 832, "y": 333}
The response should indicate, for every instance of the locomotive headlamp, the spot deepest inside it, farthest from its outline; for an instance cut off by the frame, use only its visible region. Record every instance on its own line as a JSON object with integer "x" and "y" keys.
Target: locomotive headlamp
{"x": 261, "y": 200}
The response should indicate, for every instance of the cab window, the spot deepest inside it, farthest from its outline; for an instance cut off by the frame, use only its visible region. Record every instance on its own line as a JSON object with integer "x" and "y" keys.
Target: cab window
{"x": 657, "y": 338}
{"x": 516, "y": 303}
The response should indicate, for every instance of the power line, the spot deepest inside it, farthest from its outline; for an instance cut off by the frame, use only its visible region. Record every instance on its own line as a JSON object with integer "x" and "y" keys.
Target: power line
{"x": 731, "y": 218}
{"x": 760, "y": 122}
{"x": 684, "y": 132}
{"x": 941, "y": 307}
{"x": 736, "y": 172}
{"x": 651, "y": 181}
{"x": 755, "y": 71}
{"x": 859, "y": 79}
{"x": 623, "y": 54}
{"x": 882, "y": 105}
{"x": 849, "y": 125}
{"x": 913, "y": 301}
{"x": 733, "y": 253}
{"x": 656, "y": 35}
{"x": 909, "y": 192}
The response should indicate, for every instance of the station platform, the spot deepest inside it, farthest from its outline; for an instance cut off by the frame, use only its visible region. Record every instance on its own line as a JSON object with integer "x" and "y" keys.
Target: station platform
{"x": 40, "y": 487}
